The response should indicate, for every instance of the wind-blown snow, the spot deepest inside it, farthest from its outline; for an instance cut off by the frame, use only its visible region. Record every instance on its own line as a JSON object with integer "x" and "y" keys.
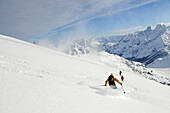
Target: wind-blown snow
{"x": 34, "y": 79}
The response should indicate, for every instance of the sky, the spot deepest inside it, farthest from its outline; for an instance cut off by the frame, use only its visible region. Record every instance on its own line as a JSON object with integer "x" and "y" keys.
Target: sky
{"x": 25, "y": 19}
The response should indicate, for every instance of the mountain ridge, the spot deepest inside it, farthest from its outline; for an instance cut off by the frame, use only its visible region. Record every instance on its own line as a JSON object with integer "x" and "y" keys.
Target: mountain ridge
{"x": 145, "y": 46}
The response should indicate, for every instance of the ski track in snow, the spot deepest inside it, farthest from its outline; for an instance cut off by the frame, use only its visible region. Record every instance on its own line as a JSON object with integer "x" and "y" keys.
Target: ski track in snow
{"x": 130, "y": 92}
{"x": 22, "y": 67}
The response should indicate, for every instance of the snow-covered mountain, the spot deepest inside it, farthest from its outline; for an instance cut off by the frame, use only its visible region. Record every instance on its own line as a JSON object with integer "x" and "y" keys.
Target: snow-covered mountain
{"x": 146, "y": 46}
{"x": 40, "y": 80}
{"x": 92, "y": 45}
{"x": 151, "y": 46}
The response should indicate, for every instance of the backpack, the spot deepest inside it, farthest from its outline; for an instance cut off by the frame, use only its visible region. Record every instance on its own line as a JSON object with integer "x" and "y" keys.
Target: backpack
{"x": 111, "y": 80}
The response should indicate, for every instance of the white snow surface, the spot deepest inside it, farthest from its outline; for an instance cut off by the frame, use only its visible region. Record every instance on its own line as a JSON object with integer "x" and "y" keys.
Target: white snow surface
{"x": 34, "y": 79}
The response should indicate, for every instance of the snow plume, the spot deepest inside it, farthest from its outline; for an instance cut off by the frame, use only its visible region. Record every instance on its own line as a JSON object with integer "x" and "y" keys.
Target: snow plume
{"x": 78, "y": 47}
{"x": 45, "y": 43}
{"x": 167, "y": 24}
{"x": 63, "y": 40}
{"x": 63, "y": 45}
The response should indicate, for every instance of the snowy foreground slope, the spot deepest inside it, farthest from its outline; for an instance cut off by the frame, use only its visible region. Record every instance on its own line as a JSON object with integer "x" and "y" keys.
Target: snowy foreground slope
{"x": 34, "y": 79}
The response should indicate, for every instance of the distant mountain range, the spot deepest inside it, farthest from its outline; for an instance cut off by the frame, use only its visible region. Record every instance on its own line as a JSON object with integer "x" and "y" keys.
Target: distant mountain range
{"x": 150, "y": 47}
{"x": 145, "y": 46}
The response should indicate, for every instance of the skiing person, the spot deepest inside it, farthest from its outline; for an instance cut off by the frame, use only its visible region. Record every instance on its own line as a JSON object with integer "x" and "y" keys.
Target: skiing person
{"x": 111, "y": 79}
{"x": 120, "y": 73}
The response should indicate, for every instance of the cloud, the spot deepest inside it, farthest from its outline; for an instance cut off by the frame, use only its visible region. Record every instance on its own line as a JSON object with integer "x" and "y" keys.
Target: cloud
{"x": 167, "y": 24}
{"x": 32, "y": 18}
{"x": 99, "y": 8}
{"x": 129, "y": 30}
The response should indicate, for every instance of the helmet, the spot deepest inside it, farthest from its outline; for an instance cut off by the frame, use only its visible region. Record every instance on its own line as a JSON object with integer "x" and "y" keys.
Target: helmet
{"x": 112, "y": 74}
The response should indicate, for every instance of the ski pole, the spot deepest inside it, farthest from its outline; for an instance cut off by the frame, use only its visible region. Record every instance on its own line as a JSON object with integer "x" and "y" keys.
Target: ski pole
{"x": 123, "y": 89}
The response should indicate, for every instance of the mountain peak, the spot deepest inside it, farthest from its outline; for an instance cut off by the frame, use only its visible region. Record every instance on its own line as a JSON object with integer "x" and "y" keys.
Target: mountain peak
{"x": 149, "y": 28}
{"x": 160, "y": 28}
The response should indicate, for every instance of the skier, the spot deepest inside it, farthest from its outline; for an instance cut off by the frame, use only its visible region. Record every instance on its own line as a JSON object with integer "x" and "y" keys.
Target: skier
{"x": 120, "y": 73}
{"x": 111, "y": 79}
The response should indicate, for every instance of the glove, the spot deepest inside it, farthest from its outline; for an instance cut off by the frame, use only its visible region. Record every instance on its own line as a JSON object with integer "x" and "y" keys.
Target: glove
{"x": 121, "y": 84}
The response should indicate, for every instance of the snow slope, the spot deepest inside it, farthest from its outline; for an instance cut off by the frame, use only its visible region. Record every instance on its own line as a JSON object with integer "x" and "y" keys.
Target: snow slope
{"x": 34, "y": 79}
